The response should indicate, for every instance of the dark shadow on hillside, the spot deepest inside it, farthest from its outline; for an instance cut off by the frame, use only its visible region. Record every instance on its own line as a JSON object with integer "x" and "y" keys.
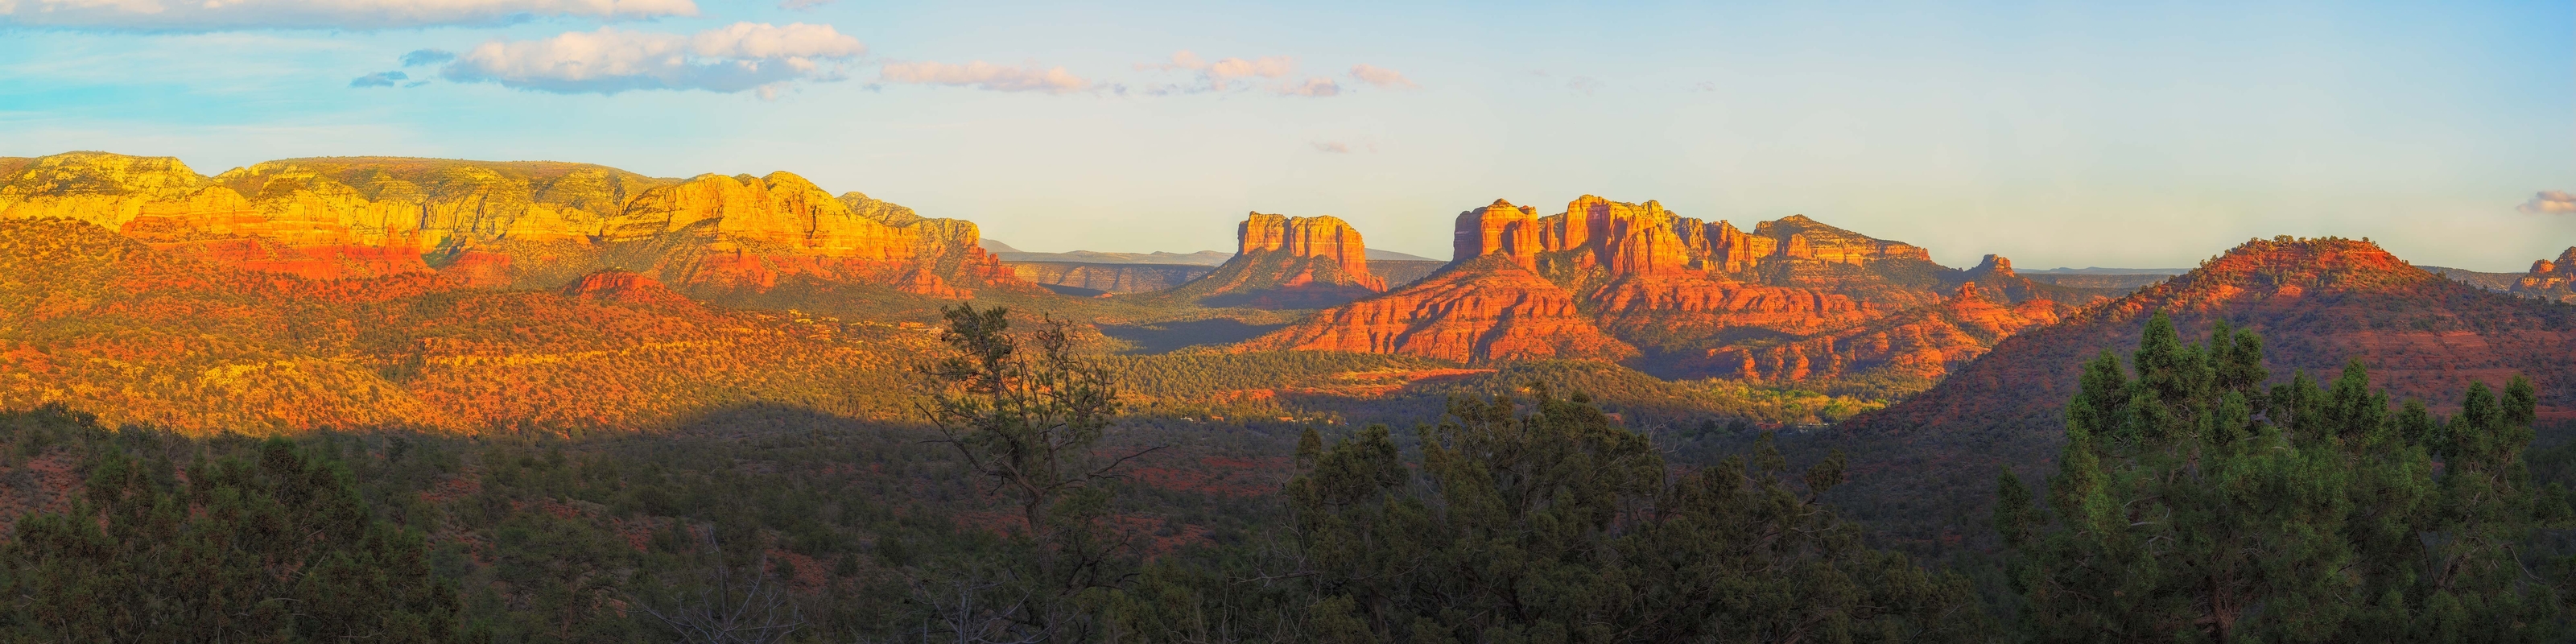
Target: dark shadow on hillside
{"x": 1075, "y": 291}
{"x": 1164, "y": 337}
{"x": 1312, "y": 296}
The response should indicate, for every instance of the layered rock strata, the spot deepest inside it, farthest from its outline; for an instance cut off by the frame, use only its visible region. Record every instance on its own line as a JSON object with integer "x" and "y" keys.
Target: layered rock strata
{"x": 504, "y": 224}
{"x": 1480, "y": 309}
{"x": 1675, "y": 291}
{"x": 1288, "y": 262}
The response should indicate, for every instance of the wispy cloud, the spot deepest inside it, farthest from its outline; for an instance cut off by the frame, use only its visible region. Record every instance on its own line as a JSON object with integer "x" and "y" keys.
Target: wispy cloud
{"x": 803, "y": 5}
{"x": 1584, "y": 84}
{"x": 228, "y": 15}
{"x": 984, "y": 76}
{"x": 1237, "y": 74}
{"x": 1381, "y": 77}
{"x": 379, "y": 79}
{"x": 1338, "y": 147}
{"x": 419, "y": 57}
{"x": 2553, "y": 202}
{"x": 741, "y": 57}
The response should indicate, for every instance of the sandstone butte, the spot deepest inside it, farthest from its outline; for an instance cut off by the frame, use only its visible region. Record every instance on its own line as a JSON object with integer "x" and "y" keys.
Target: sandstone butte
{"x": 1283, "y": 262}
{"x": 497, "y": 224}
{"x": 2550, "y": 280}
{"x": 1614, "y": 280}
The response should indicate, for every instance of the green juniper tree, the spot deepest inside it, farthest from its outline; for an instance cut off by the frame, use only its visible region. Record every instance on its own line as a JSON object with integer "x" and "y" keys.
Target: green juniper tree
{"x": 1559, "y": 525}
{"x": 2192, "y": 505}
{"x": 279, "y": 548}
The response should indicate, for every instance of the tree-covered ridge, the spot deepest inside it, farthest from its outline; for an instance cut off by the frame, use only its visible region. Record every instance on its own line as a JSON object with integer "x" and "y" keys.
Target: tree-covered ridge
{"x": 2193, "y": 504}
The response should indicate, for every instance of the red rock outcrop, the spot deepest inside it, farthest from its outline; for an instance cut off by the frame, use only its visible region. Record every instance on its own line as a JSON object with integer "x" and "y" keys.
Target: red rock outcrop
{"x": 1479, "y": 309}
{"x": 1924, "y": 341}
{"x": 1498, "y": 229}
{"x": 1677, "y": 291}
{"x": 1288, "y": 262}
{"x": 505, "y": 224}
{"x": 622, "y": 286}
{"x": 2550, "y": 280}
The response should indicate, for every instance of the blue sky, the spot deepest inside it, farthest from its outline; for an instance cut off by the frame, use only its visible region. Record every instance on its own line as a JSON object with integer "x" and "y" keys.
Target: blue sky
{"x": 2145, "y": 134}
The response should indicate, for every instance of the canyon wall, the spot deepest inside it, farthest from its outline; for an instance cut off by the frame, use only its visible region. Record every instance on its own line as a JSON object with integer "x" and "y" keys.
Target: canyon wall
{"x": 503, "y": 223}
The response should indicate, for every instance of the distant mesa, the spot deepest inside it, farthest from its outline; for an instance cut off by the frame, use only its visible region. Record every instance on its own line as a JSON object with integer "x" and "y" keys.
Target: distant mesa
{"x": 1682, "y": 296}
{"x": 2097, "y": 270}
{"x": 1112, "y": 278}
{"x": 1283, "y": 262}
{"x": 506, "y": 224}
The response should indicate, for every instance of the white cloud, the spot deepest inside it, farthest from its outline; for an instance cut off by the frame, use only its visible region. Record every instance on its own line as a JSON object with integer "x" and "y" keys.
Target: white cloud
{"x": 2554, "y": 202}
{"x": 803, "y": 5}
{"x": 743, "y": 56}
{"x": 225, "y": 15}
{"x": 1381, "y": 77}
{"x": 985, "y": 76}
{"x": 379, "y": 79}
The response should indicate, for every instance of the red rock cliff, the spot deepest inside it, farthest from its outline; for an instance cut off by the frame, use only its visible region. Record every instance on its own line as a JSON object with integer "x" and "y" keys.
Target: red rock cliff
{"x": 499, "y": 224}
{"x": 1288, "y": 262}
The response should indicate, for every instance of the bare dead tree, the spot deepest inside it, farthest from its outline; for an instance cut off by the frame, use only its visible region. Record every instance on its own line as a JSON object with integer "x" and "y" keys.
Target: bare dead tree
{"x": 732, "y": 608}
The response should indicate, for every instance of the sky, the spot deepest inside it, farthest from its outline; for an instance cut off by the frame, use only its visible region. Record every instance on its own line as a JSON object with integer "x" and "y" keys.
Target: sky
{"x": 2137, "y": 134}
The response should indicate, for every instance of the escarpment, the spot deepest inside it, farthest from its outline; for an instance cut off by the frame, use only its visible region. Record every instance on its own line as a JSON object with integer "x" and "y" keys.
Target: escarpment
{"x": 506, "y": 224}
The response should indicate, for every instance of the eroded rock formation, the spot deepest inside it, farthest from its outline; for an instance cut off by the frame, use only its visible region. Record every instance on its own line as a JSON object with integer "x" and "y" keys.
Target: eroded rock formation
{"x": 1288, "y": 262}
{"x": 504, "y": 224}
{"x": 1676, "y": 291}
{"x": 1482, "y": 308}
{"x": 2550, "y": 280}
{"x": 1922, "y": 342}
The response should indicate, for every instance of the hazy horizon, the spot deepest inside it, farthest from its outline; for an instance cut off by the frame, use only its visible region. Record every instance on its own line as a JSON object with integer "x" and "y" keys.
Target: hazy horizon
{"x": 2083, "y": 136}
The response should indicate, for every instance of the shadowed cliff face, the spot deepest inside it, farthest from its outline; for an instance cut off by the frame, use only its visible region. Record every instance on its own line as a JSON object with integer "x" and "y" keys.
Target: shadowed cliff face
{"x": 1674, "y": 293}
{"x": 1285, "y": 262}
{"x": 524, "y": 224}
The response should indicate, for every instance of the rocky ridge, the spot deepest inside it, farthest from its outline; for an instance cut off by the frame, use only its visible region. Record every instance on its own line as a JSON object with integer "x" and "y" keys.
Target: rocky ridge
{"x": 1686, "y": 296}
{"x": 523, "y": 224}
{"x": 2550, "y": 280}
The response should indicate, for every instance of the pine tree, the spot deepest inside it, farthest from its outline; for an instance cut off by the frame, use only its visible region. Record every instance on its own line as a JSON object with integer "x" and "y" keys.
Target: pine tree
{"x": 1558, "y": 525}
{"x": 2189, "y": 504}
